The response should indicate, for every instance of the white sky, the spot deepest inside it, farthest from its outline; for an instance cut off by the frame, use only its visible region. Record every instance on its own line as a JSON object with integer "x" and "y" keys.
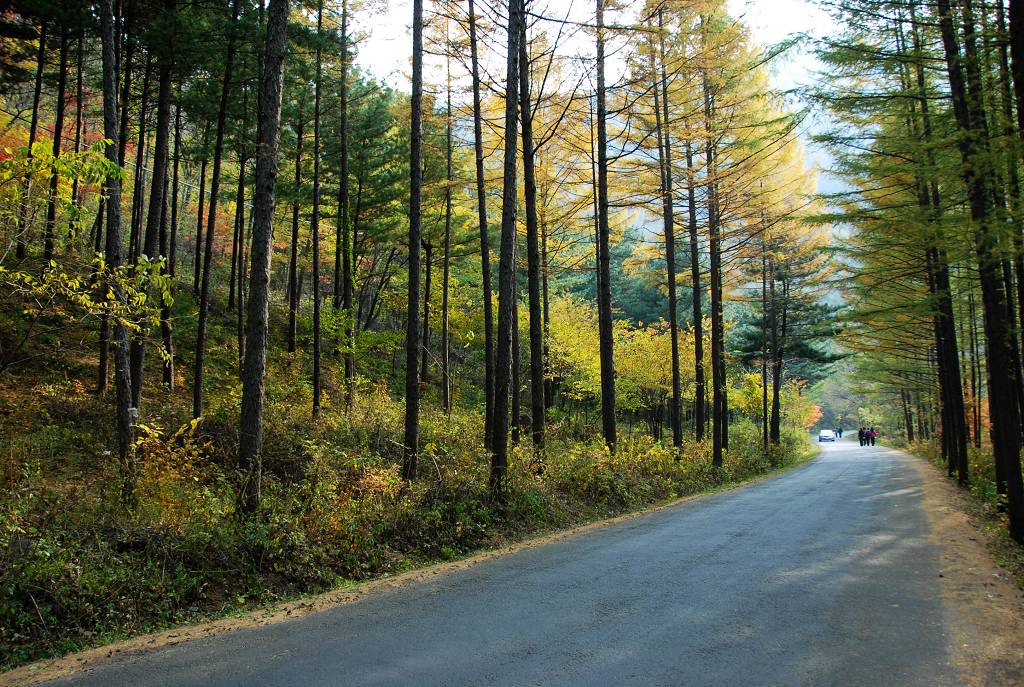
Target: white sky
{"x": 385, "y": 45}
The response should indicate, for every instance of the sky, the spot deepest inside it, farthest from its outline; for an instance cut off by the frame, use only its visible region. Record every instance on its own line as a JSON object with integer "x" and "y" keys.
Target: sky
{"x": 385, "y": 45}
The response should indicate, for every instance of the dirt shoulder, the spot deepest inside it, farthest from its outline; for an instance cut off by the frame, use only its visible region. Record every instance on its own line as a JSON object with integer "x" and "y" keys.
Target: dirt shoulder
{"x": 51, "y": 669}
{"x": 985, "y": 608}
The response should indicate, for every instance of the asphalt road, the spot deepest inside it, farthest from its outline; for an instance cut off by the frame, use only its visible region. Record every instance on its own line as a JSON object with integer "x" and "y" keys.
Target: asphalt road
{"x": 821, "y": 576}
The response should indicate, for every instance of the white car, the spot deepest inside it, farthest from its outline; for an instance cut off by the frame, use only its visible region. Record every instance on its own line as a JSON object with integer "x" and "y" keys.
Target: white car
{"x": 826, "y": 435}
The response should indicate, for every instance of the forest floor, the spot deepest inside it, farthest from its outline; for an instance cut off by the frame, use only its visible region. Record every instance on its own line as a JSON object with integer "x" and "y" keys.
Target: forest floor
{"x": 812, "y": 577}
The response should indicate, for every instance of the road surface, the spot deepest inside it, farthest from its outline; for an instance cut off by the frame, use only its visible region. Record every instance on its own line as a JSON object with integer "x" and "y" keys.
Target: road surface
{"x": 822, "y": 576}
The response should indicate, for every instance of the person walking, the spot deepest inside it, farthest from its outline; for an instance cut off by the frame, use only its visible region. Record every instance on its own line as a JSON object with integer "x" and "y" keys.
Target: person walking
{"x": 860, "y": 435}
{"x": 872, "y": 434}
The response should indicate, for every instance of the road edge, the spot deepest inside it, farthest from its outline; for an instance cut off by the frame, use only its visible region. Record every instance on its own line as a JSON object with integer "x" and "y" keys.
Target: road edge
{"x": 984, "y": 606}
{"x": 54, "y": 668}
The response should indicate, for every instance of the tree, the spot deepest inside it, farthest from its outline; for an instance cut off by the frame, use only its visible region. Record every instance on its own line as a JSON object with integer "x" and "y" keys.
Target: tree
{"x": 412, "y": 343}
{"x": 267, "y": 138}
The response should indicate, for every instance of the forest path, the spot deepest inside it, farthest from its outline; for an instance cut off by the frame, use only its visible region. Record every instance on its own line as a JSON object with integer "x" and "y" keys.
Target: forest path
{"x": 828, "y": 574}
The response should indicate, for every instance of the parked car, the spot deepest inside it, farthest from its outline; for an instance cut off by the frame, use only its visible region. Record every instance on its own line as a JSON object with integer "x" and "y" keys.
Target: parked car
{"x": 826, "y": 435}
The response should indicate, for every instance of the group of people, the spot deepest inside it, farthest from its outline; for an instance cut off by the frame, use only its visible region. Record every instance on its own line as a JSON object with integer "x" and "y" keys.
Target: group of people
{"x": 867, "y": 436}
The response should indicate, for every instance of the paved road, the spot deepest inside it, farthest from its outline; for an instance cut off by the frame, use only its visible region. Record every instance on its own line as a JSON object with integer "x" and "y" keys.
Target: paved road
{"x": 822, "y": 576}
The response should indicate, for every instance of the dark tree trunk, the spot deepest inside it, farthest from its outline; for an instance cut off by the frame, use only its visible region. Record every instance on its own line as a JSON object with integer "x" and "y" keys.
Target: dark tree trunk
{"x": 954, "y": 430}
{"x": 26, "y": 192}
{"x": 719, "y": 410}
{"x": 485, "y": 251}
{"x": 138, "y": 187}
{"x": 198, "y": 247}
{"x": 1003, "y": 375}
{"x": 517, "y": 358}
{"x": 506, "y": 260}
{"x": 446, "y": 389}
{"x": 779, "y": 326}
{"x": 268, "y": 119}
{"x": 549, "y": 383}
{"x": 79, "y": 94}
{"x": 344, "y": 235}
{"x": 428, "y": 261}
{"x": 172, "y": 250}
{"x": 125, "y": 414}
{"x": 218, "y": 152}
{"x": 908, "y": 416}
{"x": 412, "y": 330}
{"x": 315, "y": 220}
{"x": 604, "y": 299}
{"x": 151, "y": 247}
{"x": 976, "y": 384}
{"x": 668, "y": 218}
{"x": 700, "y": 396}
{"x": 293, "y": 260}
{"x": 765, "y": 322}
{"x": 239, "y": 278}
{"x": 532, "y": 254}
{"x": 166, "y": 331}
{"x": 50, "y": 235}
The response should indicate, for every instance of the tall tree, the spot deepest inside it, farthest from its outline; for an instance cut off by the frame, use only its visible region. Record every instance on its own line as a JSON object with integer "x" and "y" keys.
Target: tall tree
{"x": 485, "y": 250}
{"x": 267, "y": 140}
{"x": 1003, "y": 373}
{"x": 537, "y": 407}
{"x": 506, "y": 259}
{"x": 125, "y": 415}
{"x": 315, "y": 219}
{"x": 604, "y": 298}
{"x": 412, "y": 331}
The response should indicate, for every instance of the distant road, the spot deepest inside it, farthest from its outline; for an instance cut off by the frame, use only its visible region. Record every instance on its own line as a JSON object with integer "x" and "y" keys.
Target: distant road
{"x": 822, "y": 576}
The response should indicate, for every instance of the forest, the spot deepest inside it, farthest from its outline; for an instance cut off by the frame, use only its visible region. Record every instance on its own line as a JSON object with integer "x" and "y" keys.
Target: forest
{"x": 271, "y": 323}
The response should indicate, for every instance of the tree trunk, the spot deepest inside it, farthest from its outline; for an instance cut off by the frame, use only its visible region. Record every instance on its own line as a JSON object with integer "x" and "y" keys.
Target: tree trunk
{"x": 485, "y": 251}
{"x": 26, "y": 193}
{"x": 344, "y": 237}
{"x": 428, "y": 261}
{"x": 668, "y": 218}
{"x": 719, "y": 410}
{"x": 198, "y": 247}
{"x": 138, "y": 187}
{"x": 412, "y": 330}
{"x": 237, "y": 279}
{"x": 700, "y": 396}
{"x": 79, "y": 94}
{"x": 125, "y": 414}
{"x": 506, "y": 260}
{"x": 604, "y": 300}
{"x": 166, "y": 331}
{"x": 267, "y": 140}
{"x": 315, "y": 220}
{"x": 293, "y": 261}
{"x": 532, "y": 255}
{"x": 973, "y": 145}
{"x": 211, "y": 224}
{"x": 172, "y": 251}
{"x": 49, "y": 237}
{"x": 446, "y": 389}
{"x": 151, "y": 247}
